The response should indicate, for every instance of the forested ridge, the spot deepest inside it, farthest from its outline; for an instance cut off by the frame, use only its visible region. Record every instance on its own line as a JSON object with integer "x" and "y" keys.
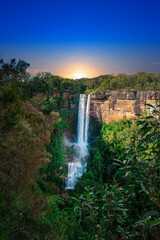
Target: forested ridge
{"x": 119, "y": 195}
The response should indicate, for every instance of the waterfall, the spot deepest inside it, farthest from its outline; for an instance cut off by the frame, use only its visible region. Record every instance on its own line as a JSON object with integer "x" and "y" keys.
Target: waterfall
{"x": 78, "y": 166}
{"x": 87, "y": 121}
{"x": 81, "y": 118}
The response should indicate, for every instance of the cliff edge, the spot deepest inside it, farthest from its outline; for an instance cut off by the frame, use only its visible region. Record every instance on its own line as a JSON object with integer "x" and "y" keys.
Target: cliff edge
{"x": 114, "y": 105}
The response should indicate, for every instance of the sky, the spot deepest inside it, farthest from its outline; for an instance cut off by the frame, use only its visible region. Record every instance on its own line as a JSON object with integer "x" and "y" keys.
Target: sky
{"x": 82, "y": 37}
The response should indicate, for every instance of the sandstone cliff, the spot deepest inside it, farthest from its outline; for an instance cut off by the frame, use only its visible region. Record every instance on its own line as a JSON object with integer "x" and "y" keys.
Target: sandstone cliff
{"x": 115, "y": 105}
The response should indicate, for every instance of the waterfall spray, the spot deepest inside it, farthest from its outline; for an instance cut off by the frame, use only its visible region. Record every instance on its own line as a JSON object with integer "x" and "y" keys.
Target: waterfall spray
{"x": 78, "y": 166}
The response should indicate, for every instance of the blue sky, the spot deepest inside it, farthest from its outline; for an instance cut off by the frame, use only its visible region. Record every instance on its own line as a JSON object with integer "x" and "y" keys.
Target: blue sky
{"x": 95, "y": 37}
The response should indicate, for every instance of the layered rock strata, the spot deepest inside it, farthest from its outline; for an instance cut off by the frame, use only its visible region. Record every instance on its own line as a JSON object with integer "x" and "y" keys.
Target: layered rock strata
{"x": 113, "y": 105}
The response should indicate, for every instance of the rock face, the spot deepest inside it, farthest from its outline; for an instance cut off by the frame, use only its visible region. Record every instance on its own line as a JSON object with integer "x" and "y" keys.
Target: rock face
{"x": 115, "y": 105}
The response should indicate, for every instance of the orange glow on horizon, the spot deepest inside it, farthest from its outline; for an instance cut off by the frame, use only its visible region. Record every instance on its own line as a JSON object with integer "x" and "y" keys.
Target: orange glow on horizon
{"x": 77, "y": 75}
{"x": 79, "y": 70}
{"x": 71, "y": 70}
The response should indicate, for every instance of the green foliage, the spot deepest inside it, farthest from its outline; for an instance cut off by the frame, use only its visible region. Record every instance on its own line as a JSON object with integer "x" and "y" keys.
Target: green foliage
{"x": 141, "y": 82}
{"x": 132, "y": 202}
{"x": 11, "y": 108}
{"x": 52, "y": 176}
{"x": 49, "y": 84}
{"x": 13, "y": 73}
{"x": 109, "y": 145}
{"x": 141, "y": 171}
{"x": 102, "y": 214}
{"x": 55, "y": 218}
{"x": 24, "y": 133}
{"x": 117, "y": 198}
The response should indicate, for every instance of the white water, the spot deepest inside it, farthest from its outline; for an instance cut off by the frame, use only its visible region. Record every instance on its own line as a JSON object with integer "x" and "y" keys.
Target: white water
{"x": 81, "y": 114}
{"x": 78, "y": 166}
{"x": 87, "y": 121}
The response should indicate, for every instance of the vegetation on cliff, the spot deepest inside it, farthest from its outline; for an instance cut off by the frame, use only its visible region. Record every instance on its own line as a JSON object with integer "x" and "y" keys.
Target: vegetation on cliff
{"x": 46, "y": 82}
{"x": 117, "y": 198}
{"x": 140, "y": 82}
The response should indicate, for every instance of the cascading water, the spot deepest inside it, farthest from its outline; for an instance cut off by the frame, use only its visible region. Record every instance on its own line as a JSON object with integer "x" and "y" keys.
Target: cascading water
{"x": 81, "y": 117}
{"x": 78, "y": 166}
{"x": 87, "y": 121}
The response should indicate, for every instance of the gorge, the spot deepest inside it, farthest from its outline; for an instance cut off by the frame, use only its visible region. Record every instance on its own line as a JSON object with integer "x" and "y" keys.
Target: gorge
{"x": 117, "y": 196}
{"x": 104, "y": 107}
{"x": 114, "y": 105}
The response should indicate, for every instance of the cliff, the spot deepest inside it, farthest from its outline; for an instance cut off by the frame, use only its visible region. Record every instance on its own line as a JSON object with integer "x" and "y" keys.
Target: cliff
{"x": 115, "y": 105}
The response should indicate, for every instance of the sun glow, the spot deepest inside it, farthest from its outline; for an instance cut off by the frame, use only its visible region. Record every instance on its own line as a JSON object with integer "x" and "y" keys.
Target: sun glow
{"x": 79, "y": 70}
{"x": 78, "y": 75}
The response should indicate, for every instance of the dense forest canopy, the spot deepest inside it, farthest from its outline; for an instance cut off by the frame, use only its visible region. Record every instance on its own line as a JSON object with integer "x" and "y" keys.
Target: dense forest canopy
{"x": 141, "y": 82}
{"x": 47, "y": 83}
{"x": 119, "y": 195}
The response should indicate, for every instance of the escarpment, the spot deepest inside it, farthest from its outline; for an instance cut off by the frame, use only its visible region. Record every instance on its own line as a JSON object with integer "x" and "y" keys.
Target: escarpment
{"x": 114, "y": 105}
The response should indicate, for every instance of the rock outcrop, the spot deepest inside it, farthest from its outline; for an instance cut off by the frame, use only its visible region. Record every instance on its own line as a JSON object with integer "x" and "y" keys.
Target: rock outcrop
{"x": 115, "y": 105}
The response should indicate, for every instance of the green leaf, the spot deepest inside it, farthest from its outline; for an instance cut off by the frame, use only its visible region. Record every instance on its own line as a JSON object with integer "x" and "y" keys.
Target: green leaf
{"x": 143, "y": 187}
{"x": 150, "y": 213}
{"x": 149, "y": 117}
{"x": 150, "y": 105}
{"x": 153, "y": 223}
{"x": 140, "y": 122}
